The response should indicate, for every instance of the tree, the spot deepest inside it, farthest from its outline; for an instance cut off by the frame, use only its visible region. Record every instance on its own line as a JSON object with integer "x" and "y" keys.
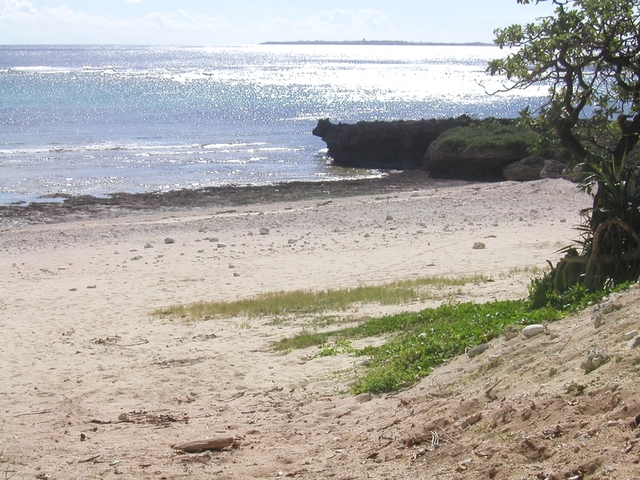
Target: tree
{"x": 588, "y": 54}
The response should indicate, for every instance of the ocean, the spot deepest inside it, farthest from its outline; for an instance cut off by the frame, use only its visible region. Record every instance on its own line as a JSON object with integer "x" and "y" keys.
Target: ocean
{"x": 95, "y": 120}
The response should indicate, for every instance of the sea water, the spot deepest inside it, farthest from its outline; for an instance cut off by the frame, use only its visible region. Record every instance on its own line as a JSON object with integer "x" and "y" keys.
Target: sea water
{"x": 94, "y": 120}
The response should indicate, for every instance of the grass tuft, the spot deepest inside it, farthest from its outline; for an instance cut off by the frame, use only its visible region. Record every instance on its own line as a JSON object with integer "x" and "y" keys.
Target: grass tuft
{"x": 311, "y": 302}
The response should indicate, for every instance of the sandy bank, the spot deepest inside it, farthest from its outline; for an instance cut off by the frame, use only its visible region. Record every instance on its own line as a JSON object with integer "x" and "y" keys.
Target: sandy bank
{"x": 79, "y": 344}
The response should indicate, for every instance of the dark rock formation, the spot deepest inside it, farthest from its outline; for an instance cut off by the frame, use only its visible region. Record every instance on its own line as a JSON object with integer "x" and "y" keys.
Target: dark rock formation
{"x": 552, "y": 169}
{"x": 477, "y": 152}
{"x": 524, "y": 170}
{"x": 397, "y": 145}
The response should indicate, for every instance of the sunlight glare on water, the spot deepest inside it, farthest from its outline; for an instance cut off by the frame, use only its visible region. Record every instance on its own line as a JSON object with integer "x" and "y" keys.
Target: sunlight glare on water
{"x": 98, "y": 120}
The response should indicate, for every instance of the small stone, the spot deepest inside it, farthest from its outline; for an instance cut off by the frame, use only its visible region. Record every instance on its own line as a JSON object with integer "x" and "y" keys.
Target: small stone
{"x": 231, "y": 265}
{"x": 389, "y": 218}
{"x": 634, "y": 343}
{"x": 415, "y": 193}
{"x": 137, "y": 257}
{"x": 169, "y": 240}
{"x": 631, "y": 334}
{"x": 479, "y": 246}
{"x": 73, "y": 289}
{"x": 221, "y": 245}
{"x": 148, "y": 245}
{"x": 236, "y": 274}
{"x": 363, "y": 398}
{"x": 532, "y": 330}
{"x": 596, "y": 357}
{"x": 477, "y": 350}
{"x": 608, "y": 305}
{"x": 92, "y": 286}
{"x": 264, "y": 231}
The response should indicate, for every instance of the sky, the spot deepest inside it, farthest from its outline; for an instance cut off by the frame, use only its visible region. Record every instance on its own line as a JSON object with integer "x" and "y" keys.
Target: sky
{"x": 242, "y": 22}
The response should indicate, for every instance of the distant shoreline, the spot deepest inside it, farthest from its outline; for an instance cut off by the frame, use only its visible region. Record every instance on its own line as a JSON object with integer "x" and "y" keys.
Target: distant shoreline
{"x": 381, "y": 43}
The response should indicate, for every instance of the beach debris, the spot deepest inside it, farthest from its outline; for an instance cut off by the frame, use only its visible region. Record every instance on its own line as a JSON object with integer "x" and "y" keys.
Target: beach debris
{"x": 143, "y": 417}
{"x": 531, "y": 331}
{"x": 630, "y": 335}
{"x": 596, "y": 357}
{"x": 264, "y": 231}
{"x": 415, "y": 193}
{"x": 479, "y": 246}
{"x": 169, "y": 240}
{"x": 199, "y": 446}
{"x": 477, "y": 350}
{"x": 469, "y": 421}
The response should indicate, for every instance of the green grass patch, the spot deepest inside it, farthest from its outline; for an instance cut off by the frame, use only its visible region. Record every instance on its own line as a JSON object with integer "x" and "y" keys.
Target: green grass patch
{"x": 312, "y": 302}
{"x": 419, "y": 342}
{"x": 484, "y": 136}
{"x": 443, "y": 333}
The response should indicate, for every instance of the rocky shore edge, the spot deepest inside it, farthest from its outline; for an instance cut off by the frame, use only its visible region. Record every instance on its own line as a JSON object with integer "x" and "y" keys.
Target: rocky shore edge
{"x": 453, "y": 148}
{"x": 117, "y": 204}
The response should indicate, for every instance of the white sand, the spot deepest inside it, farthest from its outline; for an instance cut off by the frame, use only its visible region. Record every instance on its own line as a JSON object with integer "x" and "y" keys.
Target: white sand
{"x": 79, "y": 344}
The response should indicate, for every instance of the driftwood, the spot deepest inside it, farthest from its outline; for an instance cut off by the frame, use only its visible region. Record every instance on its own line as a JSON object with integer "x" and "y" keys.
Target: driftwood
{"x": 202, "y": 445}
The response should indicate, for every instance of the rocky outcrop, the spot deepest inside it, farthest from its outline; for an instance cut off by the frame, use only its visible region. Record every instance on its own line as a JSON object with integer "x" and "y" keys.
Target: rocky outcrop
{"x": 477, "y": 152}
{"x": 525, "y": 170}
{"x": 552, "y": 169}
{"x": 460, "y": 148}
{"x": 398, "y": 145}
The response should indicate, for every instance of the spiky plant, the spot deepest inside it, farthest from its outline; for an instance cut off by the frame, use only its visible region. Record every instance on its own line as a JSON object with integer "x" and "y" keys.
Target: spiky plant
{"x": 610, "y": 234}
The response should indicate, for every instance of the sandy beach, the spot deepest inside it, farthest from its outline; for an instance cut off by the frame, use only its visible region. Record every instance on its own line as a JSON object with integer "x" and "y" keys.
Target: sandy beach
{"x": 93, "y": 385}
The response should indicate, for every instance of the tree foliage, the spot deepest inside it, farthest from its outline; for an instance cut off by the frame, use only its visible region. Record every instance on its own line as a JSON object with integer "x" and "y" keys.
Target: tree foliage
{"x": 588, "y": 54}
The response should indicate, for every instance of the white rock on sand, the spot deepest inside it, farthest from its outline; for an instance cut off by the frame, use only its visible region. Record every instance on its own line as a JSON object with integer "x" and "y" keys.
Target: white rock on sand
{"x": 87, "y": 375}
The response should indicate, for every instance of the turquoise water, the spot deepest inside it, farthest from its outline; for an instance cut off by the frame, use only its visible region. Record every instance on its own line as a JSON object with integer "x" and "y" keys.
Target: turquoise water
{"x": 96, "y": 120}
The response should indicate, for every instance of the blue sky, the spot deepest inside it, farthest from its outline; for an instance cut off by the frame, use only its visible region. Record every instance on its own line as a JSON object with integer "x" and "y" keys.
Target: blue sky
{"x": 237, "y": 22}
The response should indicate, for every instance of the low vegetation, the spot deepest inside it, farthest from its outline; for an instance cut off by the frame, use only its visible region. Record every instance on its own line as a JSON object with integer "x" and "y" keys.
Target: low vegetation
{"x": 311, "y": 302}
{"x": 416, "y": 343}
{"x": 411, "y": 345}
{"x": 488, "y": 135}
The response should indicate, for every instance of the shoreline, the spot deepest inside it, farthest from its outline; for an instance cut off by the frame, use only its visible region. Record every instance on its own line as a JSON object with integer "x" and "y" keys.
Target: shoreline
{"x": 224, "y": 196}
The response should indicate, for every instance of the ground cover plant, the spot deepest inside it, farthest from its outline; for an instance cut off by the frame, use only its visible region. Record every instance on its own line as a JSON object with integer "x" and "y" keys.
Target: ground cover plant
{"x": 309, "y": 302}
{"x": 418, "y": 342}
{"x": 411, "y": 344}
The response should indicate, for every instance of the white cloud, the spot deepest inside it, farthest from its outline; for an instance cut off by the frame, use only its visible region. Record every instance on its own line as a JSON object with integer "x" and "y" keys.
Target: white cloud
{"x": 334, "y": 25}
{"x": 14, "y": 8}
{"x": 182, "y": 20}
{"x": 21, "y": 22}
